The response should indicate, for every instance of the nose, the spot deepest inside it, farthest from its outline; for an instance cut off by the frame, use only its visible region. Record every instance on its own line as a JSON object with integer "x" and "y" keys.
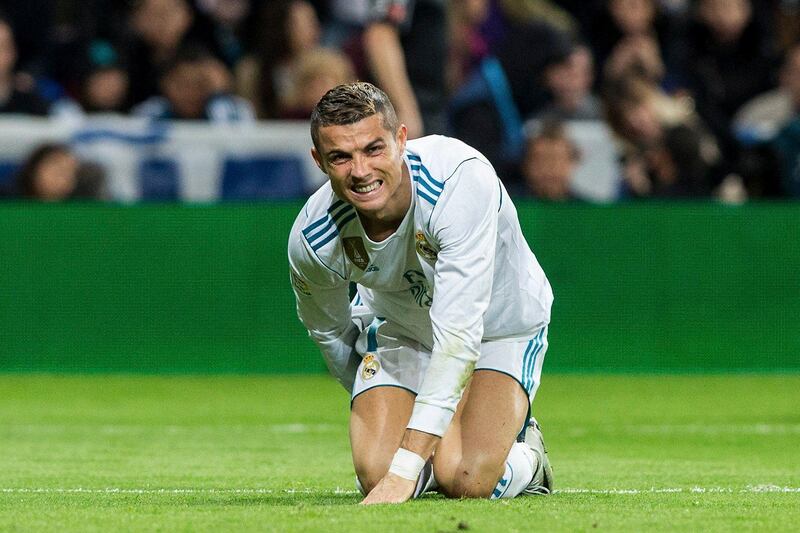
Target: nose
{"x": 360, "y": 168}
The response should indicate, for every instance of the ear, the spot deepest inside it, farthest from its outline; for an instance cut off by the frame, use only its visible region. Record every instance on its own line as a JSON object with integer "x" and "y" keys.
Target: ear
{"x": 318, "y": 159}
{"x": 402, "y": 136}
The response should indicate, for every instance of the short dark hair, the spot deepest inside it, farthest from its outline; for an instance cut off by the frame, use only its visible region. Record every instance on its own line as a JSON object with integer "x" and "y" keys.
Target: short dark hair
{"x": 25, "y": 177}
{"x": 350, "y": 103}
{"x": 187, "y": 54}
{"x": 555, "y": 130}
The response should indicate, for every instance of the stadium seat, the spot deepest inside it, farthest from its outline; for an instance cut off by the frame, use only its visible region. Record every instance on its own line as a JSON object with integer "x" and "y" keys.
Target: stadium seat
{"x": 259, "y": 178}
{"x": 158, "y": 179}
{"x": 7, "y": 169}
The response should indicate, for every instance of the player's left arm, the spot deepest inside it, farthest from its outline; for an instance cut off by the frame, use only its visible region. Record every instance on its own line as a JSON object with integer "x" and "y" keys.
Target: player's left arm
{"x": 464, "y": 224}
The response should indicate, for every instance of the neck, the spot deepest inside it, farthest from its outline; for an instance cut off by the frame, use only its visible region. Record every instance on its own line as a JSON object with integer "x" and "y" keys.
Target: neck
{"x": 570, "y": 101}
{"x": 380, "y": 226}
{"x": 378, "y": 231}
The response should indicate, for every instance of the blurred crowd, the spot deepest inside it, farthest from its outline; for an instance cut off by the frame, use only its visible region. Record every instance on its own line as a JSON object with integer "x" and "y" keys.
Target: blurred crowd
{"x": 698, "y": 98}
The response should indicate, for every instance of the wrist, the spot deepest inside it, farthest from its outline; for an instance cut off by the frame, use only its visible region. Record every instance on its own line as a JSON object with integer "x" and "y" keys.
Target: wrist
{"x": 406, "y": 464}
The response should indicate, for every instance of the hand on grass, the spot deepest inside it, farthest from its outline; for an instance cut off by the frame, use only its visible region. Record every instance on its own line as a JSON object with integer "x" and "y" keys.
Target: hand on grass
{"x": 390, "y": 489}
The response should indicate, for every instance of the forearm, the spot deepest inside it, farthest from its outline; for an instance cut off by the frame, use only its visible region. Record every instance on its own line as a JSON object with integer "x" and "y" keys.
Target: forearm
{"x": 445, "y": 380}
{"x": 325, "y": 313}
{"x": 387, "y": 64}
{"x": 339, "y": 354}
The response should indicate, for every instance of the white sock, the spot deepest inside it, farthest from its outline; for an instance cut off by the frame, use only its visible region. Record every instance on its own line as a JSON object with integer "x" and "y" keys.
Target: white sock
{"x": 520, "y": 465}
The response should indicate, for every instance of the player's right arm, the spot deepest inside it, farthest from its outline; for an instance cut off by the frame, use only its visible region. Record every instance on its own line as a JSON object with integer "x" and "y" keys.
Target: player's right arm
{"x": 323, "y": 307}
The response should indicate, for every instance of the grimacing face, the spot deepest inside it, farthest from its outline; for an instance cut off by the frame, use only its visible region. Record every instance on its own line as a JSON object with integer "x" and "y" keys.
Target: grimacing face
{"x": 364, "y": 162}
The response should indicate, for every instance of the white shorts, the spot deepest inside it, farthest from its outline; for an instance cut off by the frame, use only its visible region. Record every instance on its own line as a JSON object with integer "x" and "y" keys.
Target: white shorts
{"x": 389, "y": 359}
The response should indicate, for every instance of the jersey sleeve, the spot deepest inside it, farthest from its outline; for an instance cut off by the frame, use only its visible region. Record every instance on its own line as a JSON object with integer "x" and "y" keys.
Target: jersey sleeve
{"x": 323, "y": 307}
{"x": 464, "y": 224}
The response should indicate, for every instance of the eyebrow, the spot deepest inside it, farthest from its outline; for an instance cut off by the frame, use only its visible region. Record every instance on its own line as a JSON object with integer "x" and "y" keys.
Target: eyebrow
{"x": 373, "y": 143}
{"x": 336, "y": 151}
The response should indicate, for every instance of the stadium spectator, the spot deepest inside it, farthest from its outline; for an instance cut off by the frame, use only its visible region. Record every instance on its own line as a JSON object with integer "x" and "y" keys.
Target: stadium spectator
{"x": 229, "y": 19}
{"x": 401, "y": 45}
{"x": 757, "y": 124}
{"x": 667, "y": 152}
{"x": 733, "y": 59}
{"x": 634, "y": 36}
{"x": 160, "y": 28}
{"x": 53, "y": 173}
{"x": 551, "y": 158}
{"x": 787, "y": 22}
{"x": 760, "y": 119}
{"x": 787, "y": 148}
{"x": 467, "y": 46}
{"x": 549, "y": 12}
{"x": 569, "y": 82}
{"x": 195, "y": 85}
{"x": 731, "y": 72}
{"x": 638, "y": 54}
{"x": 104, "y": 87}
{"x": 776, "y": 112}
{"x": 290, "y": 28}
{"x": 316, "y": 72}
{"x": 583, "y": 12}
{"x": 489, "y": 109}
{"x": 18, "y": 92}
{"x": 80, "y": 27}
{"x": 33, "y": 22}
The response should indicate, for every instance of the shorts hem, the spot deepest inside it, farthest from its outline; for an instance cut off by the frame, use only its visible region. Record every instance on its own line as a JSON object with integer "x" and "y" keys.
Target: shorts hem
{"x": 528, "y": 394}
{"x": 380, "y": 385}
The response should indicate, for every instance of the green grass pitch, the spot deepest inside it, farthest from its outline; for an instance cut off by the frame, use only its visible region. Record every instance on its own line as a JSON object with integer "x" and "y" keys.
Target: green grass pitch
{"x": 631, "y": 453}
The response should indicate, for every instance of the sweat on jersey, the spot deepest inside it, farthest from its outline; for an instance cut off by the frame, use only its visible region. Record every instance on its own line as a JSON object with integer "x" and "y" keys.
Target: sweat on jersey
{"x": 457, "y": 272}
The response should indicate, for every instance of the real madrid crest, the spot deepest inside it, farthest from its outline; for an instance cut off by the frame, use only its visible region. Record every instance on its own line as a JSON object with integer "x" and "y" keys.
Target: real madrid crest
{"x": 299, "y": 284}
{"x": 370, "y": 367}
{"x": 356, "y": 251}
{"x": 424, "y": 248}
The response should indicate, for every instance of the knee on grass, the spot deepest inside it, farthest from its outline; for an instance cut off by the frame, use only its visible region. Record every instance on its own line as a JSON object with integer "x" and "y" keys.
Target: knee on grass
{"x": 369, "y": 475}
{"x": 469, "y": 478}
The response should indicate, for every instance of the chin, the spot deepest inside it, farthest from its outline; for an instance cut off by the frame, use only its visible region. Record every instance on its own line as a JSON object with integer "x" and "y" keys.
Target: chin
{"x": 369, "y": 207}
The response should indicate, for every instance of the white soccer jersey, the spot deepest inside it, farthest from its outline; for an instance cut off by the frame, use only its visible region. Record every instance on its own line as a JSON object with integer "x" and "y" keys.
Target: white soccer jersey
{"x": 457, "y": 271}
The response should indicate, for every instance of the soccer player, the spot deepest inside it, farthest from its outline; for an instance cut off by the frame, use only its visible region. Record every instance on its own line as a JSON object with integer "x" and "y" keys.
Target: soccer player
{"x": 442, "y": 345}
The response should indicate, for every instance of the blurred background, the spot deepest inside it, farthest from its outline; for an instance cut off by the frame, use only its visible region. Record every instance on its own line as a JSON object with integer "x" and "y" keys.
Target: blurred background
{"x": 154, "y": 153}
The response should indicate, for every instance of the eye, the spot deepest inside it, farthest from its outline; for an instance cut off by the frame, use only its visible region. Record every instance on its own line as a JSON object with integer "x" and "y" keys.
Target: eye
{"x": 376, "y": 149}
{"x": 338, "y": 159}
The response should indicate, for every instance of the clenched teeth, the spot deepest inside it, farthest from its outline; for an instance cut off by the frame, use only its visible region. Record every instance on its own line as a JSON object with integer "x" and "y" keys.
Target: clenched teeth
{"x": 367, "y": 188}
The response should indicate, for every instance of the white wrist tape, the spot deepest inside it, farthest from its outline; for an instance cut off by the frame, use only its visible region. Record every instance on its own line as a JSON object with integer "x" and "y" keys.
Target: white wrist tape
{"x": 406, "y": 464}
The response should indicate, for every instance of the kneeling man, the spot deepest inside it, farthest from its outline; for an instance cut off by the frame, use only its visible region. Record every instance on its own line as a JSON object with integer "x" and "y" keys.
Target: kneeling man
{"x": 442, "y": 345}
